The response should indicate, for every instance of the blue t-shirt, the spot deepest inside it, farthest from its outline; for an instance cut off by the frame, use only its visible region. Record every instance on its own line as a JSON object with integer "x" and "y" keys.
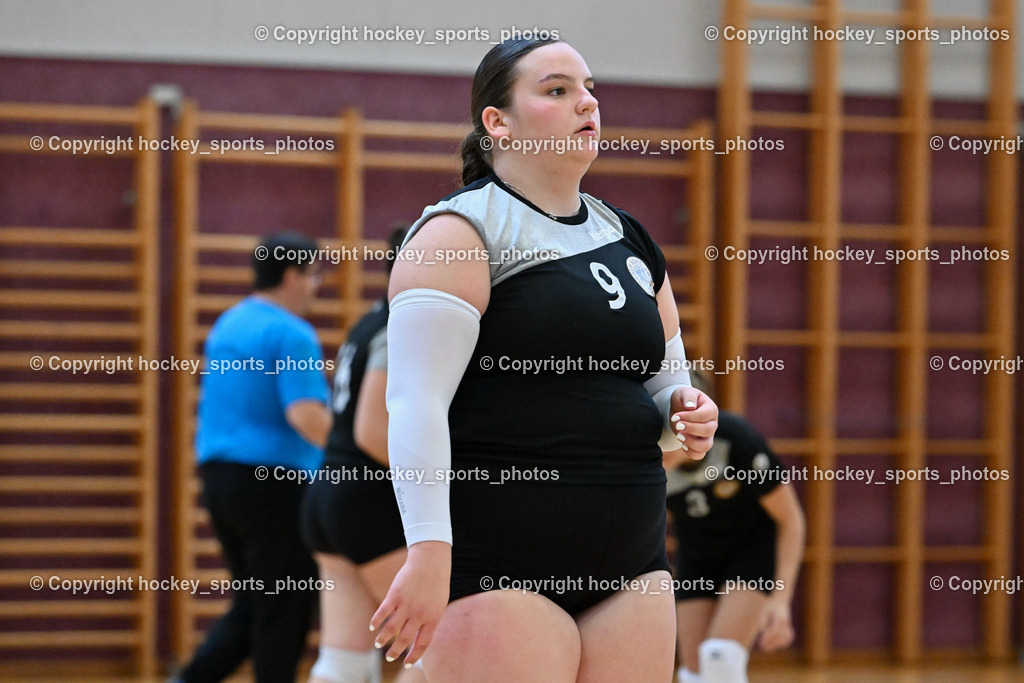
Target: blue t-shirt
{"x": 259, "y": 358}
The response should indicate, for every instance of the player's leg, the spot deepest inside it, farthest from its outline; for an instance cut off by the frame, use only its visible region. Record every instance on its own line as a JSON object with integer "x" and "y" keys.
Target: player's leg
{"x": 346, "y": 653}
{"x": 504, "y": 637}
{"x": 227, "y": 643}
{"x": 283, "y": 608}
{"x": 693, "y": 618}
{"x": 724, "y": 655}
{"x": 377, "y": 574}
{"x": 629, "y": 636}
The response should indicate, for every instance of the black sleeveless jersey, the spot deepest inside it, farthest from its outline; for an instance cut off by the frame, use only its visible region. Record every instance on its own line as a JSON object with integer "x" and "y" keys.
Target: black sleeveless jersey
{"x": 570, "y": 334}
{"x": 716, "y": 505}
{"x": 348, "y": 380}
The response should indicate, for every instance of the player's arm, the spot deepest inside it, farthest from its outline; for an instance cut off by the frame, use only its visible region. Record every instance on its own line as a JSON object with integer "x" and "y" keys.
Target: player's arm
{"x": 370, "y": 426}
{"x": 782, "y": 506}
{"x": 311, "y": 419}
{"x": 433, "y": 326}
{"x": 691, "y": 416}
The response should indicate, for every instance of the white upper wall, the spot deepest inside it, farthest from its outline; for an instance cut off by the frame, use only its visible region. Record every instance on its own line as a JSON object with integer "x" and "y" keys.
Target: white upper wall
{"x": 633, "y": 41}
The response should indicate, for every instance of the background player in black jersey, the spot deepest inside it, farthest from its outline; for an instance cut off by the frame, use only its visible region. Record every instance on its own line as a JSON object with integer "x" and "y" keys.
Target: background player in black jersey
{"x": 350, "y": 519}
{"x": 456, "y": 407}
{"x": 740, "y": 533}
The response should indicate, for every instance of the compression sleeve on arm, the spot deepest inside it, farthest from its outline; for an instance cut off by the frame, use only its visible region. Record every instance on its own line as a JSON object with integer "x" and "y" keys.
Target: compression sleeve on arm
{"x": 431, "y": 337}
{"x": 674, "y": 373}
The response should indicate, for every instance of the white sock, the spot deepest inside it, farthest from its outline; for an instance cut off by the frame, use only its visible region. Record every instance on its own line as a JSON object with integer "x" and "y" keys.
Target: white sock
{"x": 723, "y": 661}
{"x": 684, "y": 675}
{"x": 347, "y": 666}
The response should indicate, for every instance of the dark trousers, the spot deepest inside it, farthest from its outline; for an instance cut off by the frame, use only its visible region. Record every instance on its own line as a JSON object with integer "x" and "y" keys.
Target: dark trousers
{"x": 257, "y": 523}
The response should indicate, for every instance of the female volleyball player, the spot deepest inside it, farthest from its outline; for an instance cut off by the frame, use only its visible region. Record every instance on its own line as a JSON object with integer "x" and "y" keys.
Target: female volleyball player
{"x": 740, "y": 532}
{"x": 524, "y": 353}
{"x": 350, "y": 520}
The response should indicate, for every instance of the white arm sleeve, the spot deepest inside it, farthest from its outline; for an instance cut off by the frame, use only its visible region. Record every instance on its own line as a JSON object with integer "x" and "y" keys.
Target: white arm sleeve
{"x": 431, "y": 337}
{"x": 674, "y": 373}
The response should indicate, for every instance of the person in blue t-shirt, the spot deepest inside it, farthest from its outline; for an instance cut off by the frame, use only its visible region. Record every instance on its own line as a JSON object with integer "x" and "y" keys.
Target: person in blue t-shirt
{"x": 263, "y": 419}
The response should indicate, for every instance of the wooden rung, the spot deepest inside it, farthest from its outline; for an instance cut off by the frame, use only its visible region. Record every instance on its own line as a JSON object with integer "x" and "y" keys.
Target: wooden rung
{"x": 69, "y": 113}
{"x": 681, "y": 252}
{"x": 24, "y": 329}
{"x": 410, "y": 161}
{"x": 71, "y": 607}
{"x": 268, "y": 157}
{"x": 241, "y": 243}
{"x": 786, "y": 120}
{"x": 228, "y": 274}
{"x": 69, "y": 484}
{"x": 209, "y": 608}
{"x": 411, "y": 130}
{"x": 956, "y": 554}
{"x": 963, "y": 340}
{"x": 783, "y": 337}
{"x": 75, "y": 300}
{"x": 71, "y": 423}
{"x": 333, "y": 337}
{"x": 877, "y": 125}
{"x": 643, "y": 167}
{"x": 992, "y": 21}
{"x": 71, "y": 546}
{"x": 963, "y": 128}
{"x": 691, "y": 312}
{"x": 68, "y": 516}
{"x": 857, "y": 555}
{"x": 71, "y": 392}
{"x": 781, "y": 13}
{"x": 328, "y": 127}
{"x": 206, "y": 546}
{"x": 205, "y": 576}
{"x": 873, "y": 340}
{"x": 868, "y": 446}
{"x": 69, "y": 269}
{"x": 962, "y": 447}
{"x": 793, "y": 229}
{"x": 76, "y": 237}
{"x": 220, "y": 302}
{"x": 963, "y": 235}
{"x": 85, "y": 454}
{"x": 62, "y": 639}
{"x": 794, "y": 446}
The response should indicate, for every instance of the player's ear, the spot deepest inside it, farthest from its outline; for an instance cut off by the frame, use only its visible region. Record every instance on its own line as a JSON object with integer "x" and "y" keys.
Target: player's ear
{"x": 495, "y": 122}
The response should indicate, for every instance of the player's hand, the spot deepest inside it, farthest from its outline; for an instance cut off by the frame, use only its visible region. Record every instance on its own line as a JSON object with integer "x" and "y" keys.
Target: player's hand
{"x": 415, "y": 602}
{"x": 694, "y": 419}
{"x": 776, "y": 626}
{"x": 671, "y": 460}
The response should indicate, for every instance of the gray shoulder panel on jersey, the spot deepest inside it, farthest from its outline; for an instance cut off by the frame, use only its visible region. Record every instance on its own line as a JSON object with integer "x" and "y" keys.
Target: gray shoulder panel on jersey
{"x": 717, "y": 457}
{"x": 518, "y": 237}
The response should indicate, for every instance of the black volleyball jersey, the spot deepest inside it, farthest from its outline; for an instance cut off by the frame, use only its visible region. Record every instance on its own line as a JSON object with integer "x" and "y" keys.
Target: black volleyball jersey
{"x": 716, "y": 505}
{"x": 570, "y": 334}
{"x": 368, "y": 337}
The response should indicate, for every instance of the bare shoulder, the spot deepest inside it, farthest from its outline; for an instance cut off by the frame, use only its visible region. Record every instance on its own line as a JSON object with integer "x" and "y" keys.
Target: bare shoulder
{"x": 446, "y": 254}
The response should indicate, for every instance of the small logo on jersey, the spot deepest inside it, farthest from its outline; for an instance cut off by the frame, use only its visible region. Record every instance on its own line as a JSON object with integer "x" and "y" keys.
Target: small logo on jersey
{"x": 761, "y": 461}
{"x": 641, "y": 273}
{"x": 727, "y": 488}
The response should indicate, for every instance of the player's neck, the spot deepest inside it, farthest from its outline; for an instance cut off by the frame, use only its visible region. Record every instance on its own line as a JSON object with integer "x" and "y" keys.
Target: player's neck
{"x": 555, "y": 193}
{"x": 281, "y": 298}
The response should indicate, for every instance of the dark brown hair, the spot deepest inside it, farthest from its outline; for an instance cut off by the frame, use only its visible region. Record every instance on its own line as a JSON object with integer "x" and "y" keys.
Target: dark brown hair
{"x": 492, "y": 87}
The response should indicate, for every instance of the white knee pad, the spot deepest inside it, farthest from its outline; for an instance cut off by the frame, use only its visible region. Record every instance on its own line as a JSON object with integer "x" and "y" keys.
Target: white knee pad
{"x": 723, "y": 661}
{"x": 684, "y": 675}
{"x": 347, "y": 666}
